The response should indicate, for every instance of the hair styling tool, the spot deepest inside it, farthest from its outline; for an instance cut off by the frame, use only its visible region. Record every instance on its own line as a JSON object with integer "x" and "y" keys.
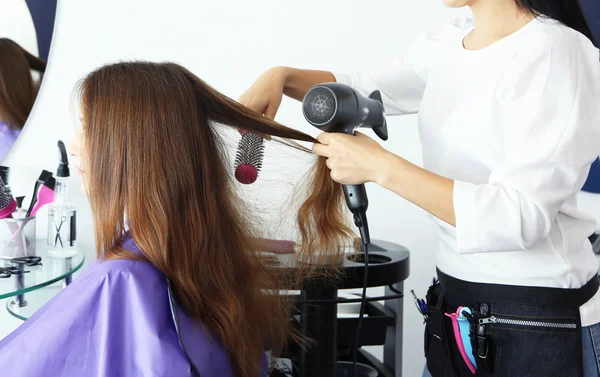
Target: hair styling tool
{"x": 4, "y": 170}
{"x": 464, "y": 325}
{"x": 45, "y": 195}
{"x": 7, "y": 203}
{"x": 336, "y": 107}
{"x": 41, "y": 179}
{"x": 6, "y": 272}
{"x": 249, "y": 157}
{"x": 421, "y": 305}
{"x": 29, "y": 261}
{"x": 455, "y": 317}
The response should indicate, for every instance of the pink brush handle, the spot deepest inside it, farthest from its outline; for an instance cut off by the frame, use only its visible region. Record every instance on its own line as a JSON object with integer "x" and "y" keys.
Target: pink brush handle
{"x": 45, "y": 196}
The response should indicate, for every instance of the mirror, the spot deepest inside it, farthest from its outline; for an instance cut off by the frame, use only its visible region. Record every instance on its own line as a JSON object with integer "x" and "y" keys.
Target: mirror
{"x": 26, "y": 28}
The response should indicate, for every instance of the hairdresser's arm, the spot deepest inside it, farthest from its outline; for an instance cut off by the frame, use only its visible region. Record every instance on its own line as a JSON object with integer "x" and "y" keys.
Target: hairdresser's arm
{"x": 399, "y": 84}
{"x": 431, "y": 192}
{"x": 358, "y": 159}
{"x": 297, "y": 82}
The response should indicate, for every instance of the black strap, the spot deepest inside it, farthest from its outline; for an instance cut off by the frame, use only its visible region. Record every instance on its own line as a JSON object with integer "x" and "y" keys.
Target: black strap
{"x": 543, "y": 296}
{"x": 173, "y": 305}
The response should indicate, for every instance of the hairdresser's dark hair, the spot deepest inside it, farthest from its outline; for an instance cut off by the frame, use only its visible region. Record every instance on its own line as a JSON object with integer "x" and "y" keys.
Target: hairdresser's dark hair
{"x": 17, "y": 89}
{"x": 151, "y": 149}
{"x": 569, "y": 12}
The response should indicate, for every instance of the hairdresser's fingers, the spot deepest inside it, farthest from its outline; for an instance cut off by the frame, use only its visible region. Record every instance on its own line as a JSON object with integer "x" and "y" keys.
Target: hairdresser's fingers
{"x": 271, "y": 109}
{"x": 337, "y": 177}
{"x": 329, "y": 138}
{"x": 331, "y": 163}
{"x": 321, "y": 149}
{"x": 325, "y": 138}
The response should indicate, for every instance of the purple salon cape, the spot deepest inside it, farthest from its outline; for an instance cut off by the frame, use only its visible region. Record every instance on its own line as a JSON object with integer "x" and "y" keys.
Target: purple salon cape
{"x": 8, "y": 136}
{"x": 114, "y": 320}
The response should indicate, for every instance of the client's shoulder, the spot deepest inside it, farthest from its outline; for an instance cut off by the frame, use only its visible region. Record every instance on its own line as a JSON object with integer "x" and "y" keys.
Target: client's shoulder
{"x": 125, "y": 267}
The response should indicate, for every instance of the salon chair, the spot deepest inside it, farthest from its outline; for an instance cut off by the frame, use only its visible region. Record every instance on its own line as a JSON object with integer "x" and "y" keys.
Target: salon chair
{"x": 316, "y": 314}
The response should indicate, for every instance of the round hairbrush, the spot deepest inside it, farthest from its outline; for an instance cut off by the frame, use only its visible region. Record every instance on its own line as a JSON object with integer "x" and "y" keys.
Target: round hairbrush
{"x": 7, "y": 203}
{"x": 249, "y": 157}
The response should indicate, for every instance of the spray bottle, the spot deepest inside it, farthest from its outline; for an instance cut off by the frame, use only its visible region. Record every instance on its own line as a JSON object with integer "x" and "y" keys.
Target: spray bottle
{"x": 62, "y": 213}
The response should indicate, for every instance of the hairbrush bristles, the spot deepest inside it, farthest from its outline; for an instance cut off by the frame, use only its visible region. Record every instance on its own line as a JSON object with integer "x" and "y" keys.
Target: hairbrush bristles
{"x": 248, "y": 160}
{"x": 4, "y": 170}
{"x": 5, "y": 197}
{"x": 7, "y": 203}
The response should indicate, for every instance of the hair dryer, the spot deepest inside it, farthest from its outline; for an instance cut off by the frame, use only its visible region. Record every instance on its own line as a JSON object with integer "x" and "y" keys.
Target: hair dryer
{"x": 336, "y": 107}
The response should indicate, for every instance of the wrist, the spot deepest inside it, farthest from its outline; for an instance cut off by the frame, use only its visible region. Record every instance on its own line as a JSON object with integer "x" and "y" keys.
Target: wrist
{"x": 281, "y": 74}
{"x": 389, "y": 166}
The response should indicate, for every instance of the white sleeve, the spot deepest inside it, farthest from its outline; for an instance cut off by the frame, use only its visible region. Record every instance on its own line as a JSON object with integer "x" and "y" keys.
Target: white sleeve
{"x": 402, "y": 82}
{"x": 549, "y": 106}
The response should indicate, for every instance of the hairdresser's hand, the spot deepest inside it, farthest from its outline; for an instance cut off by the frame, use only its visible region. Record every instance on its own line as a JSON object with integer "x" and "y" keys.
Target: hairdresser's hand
{"x": 352, "y": 159}
{"x": 264, "y": 96}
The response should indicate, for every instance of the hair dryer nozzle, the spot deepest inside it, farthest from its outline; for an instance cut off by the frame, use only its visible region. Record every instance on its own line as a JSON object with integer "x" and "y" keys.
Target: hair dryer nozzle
{"x": 380, "y": 128}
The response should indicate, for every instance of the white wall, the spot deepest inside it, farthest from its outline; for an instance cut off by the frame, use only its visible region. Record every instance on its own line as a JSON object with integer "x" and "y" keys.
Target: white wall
{"x": 229, "y": 43}
{"x": 16, "y": 23}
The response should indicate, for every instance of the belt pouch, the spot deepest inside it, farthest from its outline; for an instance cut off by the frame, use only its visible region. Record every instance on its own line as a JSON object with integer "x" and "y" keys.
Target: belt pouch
{"x": 529, "y": 331}
{"x": 437, "y": 337}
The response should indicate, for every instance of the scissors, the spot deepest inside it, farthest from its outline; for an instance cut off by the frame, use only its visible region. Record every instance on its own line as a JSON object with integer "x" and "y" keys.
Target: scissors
{"x": 28, "y": 261}
{"x": 6, "y": 272}
{"x": 58, "y": 237}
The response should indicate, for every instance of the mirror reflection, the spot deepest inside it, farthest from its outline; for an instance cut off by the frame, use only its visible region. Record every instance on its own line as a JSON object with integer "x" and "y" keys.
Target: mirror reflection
{"x": 25, "y": 33}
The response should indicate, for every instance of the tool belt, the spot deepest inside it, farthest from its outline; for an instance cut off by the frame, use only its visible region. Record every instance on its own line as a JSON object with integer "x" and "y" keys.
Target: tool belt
{"x": 491, "y": 330}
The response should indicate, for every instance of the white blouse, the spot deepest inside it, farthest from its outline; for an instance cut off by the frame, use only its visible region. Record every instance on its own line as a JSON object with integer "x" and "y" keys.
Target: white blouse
{"x": 517, "y": 126}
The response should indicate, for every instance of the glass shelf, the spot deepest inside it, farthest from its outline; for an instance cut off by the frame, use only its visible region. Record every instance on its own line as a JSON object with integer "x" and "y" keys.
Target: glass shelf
{"x": 51, "y": 271}
{"x": 35, "y": 300}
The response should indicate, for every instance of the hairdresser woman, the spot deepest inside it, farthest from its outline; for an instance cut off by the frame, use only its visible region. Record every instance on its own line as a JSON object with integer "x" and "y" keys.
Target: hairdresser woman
{"x": 509, "y": 120}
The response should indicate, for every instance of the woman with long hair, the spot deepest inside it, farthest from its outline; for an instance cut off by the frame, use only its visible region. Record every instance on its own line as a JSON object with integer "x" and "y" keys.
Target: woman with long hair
{"x": 179, "y": 288}
{"x": 17, "y": 90}
{"x": 510, "y": 124}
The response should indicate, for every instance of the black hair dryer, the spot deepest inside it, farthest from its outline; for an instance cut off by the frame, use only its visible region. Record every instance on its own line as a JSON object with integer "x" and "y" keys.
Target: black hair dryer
{"x": 336, "y": 107}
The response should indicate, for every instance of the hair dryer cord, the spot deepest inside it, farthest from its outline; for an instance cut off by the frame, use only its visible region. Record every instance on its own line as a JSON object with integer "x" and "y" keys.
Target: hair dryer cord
{"x": 360, "y": 220}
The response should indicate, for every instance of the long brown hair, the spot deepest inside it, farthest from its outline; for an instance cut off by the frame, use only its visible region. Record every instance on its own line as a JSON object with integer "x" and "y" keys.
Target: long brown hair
{"x": 155, "y": 154}
{"x": 17, "y": 89}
